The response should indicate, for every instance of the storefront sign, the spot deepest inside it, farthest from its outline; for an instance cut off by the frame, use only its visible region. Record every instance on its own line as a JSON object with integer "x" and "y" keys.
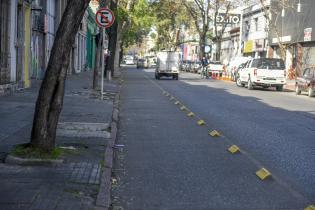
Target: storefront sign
{"x": 281, "y": 39}
{"x": 307, "y": 34}
{"x": 259, "y": 45}
{"x": 228, "y": 18}
{"x": 248, "y": 46}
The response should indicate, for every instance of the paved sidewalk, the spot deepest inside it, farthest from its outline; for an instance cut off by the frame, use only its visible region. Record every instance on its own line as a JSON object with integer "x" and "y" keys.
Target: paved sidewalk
{"x": 85, "y": 121}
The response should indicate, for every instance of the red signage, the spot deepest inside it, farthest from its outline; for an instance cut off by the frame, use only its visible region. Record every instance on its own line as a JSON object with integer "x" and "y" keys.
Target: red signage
{"x": 105, "y": 17}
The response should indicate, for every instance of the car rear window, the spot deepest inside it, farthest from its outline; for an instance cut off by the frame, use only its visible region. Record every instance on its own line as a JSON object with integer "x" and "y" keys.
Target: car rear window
{"x": 268, "y": 63}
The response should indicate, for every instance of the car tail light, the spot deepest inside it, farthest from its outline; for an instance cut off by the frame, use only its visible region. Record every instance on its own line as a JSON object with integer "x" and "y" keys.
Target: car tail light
{"x": 255, "y": 72}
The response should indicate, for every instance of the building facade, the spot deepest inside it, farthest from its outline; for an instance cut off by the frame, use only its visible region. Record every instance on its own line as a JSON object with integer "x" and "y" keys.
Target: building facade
{"x": 27, "y": 33}
{"x": 255, "y": 30}
{"x": 91, "y": 39}
{"x": 291, "y": 30}
{"x": 231, "y": 43}
{"x": 15, "y": 42}
{"x": 5, "y": 74}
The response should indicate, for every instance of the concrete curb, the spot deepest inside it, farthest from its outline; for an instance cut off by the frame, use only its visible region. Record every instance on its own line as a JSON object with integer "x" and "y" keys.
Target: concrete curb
{"x": 103, "y": 200}
{"x": 32, "y": 161}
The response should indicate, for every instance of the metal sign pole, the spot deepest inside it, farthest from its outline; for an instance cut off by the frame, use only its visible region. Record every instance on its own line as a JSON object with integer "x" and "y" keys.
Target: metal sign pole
{"x": 103, "y": 64}
{"x": 104, "y": 18}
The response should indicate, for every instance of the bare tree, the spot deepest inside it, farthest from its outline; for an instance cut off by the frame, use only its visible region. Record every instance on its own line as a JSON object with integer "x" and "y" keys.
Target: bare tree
{"x": 272, "y": 13}
{"x": 220, "y": 29}
{"x": 199, "y": 10}
{"x": 203, "y": 13}
{"x": 50, "y": 99}
{"x": 273, "y": 27}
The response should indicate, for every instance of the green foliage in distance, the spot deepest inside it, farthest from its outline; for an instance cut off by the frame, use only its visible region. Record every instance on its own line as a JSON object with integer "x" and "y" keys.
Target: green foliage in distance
{"x": 139, "y": 21}
{"x": 171, "y": 17}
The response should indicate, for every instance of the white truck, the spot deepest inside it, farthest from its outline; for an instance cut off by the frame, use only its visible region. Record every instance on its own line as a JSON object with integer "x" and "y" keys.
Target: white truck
{"x": 263, "y": 72}
{"x": 167, "y": 64}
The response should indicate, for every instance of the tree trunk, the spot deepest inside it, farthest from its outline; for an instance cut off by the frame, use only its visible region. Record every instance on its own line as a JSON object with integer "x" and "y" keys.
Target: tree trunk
{"x": 218, "y": 53}
{"x": 121, "y": 52}
{"x": 97, "y": 62}
{"x": 116, "y": 62}
{"x": 50, "y": 98}
{"x": 202, "y": 45}
{"x": 112, "y": 33}
{"x": 117, "y": 50}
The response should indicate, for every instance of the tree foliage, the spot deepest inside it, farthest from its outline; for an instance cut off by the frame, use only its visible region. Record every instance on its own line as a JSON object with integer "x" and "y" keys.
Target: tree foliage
{"x": 138, "y": 19}
{"x": 171, "y": 17}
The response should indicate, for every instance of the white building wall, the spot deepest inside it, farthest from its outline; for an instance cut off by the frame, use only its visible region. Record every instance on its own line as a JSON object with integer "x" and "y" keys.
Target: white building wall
{"x": 260, "y": 33}
{"x": 256, "y": 33}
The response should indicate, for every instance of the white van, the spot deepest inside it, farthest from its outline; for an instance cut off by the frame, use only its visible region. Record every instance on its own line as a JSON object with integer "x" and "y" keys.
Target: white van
{"x": 167, "y": 64}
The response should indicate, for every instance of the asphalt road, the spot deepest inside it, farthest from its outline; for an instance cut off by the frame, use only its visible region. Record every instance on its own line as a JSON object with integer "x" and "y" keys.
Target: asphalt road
{"x": 169, "y": 162}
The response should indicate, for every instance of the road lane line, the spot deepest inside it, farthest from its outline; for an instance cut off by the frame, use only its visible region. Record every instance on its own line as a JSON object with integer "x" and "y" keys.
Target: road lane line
{"x": 251, "y": 158}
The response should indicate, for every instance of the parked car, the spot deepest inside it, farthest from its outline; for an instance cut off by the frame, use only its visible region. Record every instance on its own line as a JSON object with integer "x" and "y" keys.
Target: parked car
{"x": 196, "y": 66}
{"x": 306, "y": 82}
{"x": 182, "y": 65}
{"x": 142, "y": 63}
{"x": 234, "y": 64}
{"x": 187, "y": 66}
{"x": 215, "y": 67}
{"x": 151, "y": 60}
{"x": 129, "y": 61}
{"x": 264, "y": 72}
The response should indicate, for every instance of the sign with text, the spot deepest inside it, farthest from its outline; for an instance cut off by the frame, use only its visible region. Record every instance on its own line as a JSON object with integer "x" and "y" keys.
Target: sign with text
{"x": 223, "y": 18}
{"x": 105, "y": 17}
{"x": 307, "y": 34}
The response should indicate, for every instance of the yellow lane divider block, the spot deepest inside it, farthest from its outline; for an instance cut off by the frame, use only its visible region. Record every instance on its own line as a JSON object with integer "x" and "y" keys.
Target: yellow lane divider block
{"x": 263, "y": 173}
{"x": 176, "y": 103}
{"x": 214, "y": 133}
{"x": 183, "y": 108}
{"x": 311, "y": 207}
{"x": 201, "y": 122}
{"x": 234, "y": 149}
{"x": 190, "y": 114}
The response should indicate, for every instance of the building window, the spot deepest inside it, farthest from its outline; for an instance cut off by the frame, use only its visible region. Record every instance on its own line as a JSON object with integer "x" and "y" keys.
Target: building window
{"x": 256, "y": 24}
{"x": 4, "y": 41}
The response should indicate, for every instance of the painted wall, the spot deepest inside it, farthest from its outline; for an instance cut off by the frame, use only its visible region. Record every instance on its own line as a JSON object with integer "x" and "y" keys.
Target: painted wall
{"x": 90, "y": 39}
{"x": 27, "y": 46}
{"x": 254, "y": 31}
{"x": 13, "y": 15}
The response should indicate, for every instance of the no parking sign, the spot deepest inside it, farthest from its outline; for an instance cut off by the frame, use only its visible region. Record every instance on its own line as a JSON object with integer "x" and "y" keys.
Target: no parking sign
{"x": 105, "y": 17}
